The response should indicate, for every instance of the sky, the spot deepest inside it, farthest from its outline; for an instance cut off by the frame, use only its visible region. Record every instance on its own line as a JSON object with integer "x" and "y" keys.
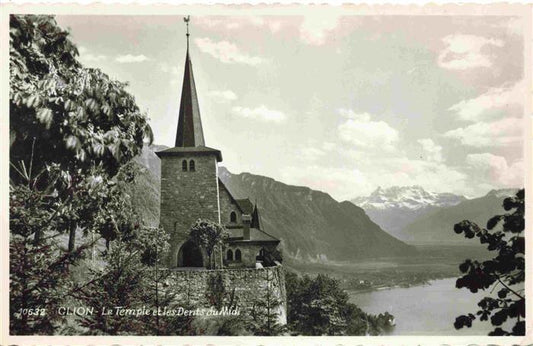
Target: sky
{"x": 341, "y": 104}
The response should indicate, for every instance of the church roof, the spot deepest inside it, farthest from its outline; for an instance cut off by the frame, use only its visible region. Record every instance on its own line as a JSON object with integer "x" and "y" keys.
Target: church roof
{"x": 256, "y": 235}
{"x": 245, "y": 205}
{"x": 183, "y": 151}
{"x": 190, "y": 132}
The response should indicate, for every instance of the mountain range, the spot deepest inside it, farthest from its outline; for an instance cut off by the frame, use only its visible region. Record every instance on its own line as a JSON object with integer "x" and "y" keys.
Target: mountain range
{"x": 312, "y": 225}
{"x": 417, "y": 216}
{"x": 436, "y": 226}
{"x": 396, "y": 207}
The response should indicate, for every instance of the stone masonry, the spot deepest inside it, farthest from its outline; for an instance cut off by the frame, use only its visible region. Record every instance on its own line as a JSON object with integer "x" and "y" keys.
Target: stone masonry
{"x": 247, "y": 285}
{"x": 187, "y": 196}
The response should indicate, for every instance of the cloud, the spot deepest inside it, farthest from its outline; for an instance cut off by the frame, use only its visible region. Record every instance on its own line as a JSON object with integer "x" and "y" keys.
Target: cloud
{"x": 498, "y": 133}
{"x": 513, "y": 26}
{"x": 222, "y": 96}
{"x": 361, "y": 131}
{"x": 433, "y": 176}
{"x": 311, "y": 153}
{"x": 341, "y": 183}
{"x": 173, "y": 71}
{"x": 260, "y": 113}
{"x": 128, "y": 58}
{"x": 226, "y": 52}
{"x": 238, "y": 22}
{"x": 346, "y": 182}
{"x": 496, "y": 170}
{"x": 463, "y": 52}
{"x": 86, "y": 56}
{"x": 316, "y": 27}
{"x": 433, "y": 152}
{"x": 328, "y": 146}
{"x": 487, "y": 104}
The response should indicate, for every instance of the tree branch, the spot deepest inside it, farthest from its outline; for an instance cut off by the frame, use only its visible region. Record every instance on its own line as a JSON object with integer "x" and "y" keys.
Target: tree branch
{"x": 511, "y": 290}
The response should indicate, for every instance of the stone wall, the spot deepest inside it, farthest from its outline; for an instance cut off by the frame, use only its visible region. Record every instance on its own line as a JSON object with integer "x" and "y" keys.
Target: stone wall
{"x": 186, "y": 197}
{"x": 246, "y": 286}
{"x": 227, "y": 205}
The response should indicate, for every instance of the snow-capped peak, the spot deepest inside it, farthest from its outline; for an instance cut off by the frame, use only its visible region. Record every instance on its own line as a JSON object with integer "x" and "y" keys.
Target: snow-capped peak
{"x": 406, "y": 197}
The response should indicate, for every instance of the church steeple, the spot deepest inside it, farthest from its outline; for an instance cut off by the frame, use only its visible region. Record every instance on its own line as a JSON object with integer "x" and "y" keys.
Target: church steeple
{"x": 190, "y": 132}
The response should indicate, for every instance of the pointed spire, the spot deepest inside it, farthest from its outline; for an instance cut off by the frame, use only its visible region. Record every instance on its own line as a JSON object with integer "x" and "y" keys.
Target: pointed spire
{"x": 256, "y": 221}
{"x": 187, "y": 20}
{"x": 190, "y": 132}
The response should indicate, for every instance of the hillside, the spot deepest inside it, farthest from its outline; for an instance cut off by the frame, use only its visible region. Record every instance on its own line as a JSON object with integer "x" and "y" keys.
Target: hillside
{"x": 437, "y": 225}
{"x": 312, "y": 225}
{"x": 395, "y": 207}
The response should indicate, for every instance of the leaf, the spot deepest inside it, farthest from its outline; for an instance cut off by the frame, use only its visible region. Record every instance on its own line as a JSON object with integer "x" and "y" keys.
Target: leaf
{"x": 73, "y": 142}
{"x": 30, "y": 101}
{"x": 91, "y": 104}
{"x": 106, "y": 109}
{"x": 69, "y": 105}
{"x": 519, "y": 328}
{"x": 45, "y": 116}
{"x": 82, "y": 114}
{"x": 493, "y": 221}
{"x": 463, "y": 267}
{"x": 463, "y": 321}
{"x": 99, "y": 148}
{"x": 114, "y": 148}
{"x": 503, "y": 293}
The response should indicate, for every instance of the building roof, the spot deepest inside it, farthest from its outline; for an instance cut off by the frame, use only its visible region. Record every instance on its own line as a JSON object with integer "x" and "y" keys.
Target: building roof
{"x": 221, "y": 183}
{"x": 183, "y": 151}
{"x": 256, "y": 220}
{"x": 256, "y": 235}
{"x": 245, "y": 205}
{"x": 190, "y": 132}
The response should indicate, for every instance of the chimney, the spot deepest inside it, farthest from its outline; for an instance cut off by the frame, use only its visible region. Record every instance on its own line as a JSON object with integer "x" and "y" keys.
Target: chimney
{"x": 246, "y": 221}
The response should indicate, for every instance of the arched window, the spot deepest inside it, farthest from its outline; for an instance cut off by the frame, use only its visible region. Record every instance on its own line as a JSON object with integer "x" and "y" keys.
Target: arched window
{"x": 191, "y": 166}
{"x": 261, "y": 255}
{"x": 230, "y": 255}
{"x": 184, "y": 165}
{"x": 233, "y": 217}
{"x": 238, "y": 255}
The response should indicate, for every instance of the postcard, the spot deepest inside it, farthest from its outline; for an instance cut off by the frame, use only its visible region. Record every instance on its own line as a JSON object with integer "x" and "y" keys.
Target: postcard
{"x": 273, "y": 173}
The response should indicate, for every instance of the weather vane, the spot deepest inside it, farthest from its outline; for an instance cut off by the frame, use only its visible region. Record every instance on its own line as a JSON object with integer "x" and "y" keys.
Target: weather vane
{"x": 187, "y": 20}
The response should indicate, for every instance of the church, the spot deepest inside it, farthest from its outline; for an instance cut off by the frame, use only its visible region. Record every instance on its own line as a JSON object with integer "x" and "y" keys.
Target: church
{"x": 191, "y": 189}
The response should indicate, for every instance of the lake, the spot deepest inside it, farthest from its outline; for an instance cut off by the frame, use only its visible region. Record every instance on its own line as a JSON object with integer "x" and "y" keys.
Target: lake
{"x": 425, "y": 310}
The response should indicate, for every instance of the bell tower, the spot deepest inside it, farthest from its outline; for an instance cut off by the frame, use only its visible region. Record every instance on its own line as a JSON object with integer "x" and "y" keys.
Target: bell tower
{"x": 189, "y": 177}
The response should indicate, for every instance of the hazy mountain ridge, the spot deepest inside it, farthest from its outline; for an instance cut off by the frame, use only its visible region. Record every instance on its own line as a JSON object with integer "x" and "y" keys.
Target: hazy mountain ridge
{"x": 437, "y": 226}
{"x": 312, "y": 225}
{"x": 395, "y": 207}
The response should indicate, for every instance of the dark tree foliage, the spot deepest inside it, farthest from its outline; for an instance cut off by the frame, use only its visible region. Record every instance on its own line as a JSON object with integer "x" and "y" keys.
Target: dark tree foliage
{"x": 66, "y": 115}
{"x": 73, "y": 131}
{"x": 208, "y": 235}
{"x": 265, "y": 310}
{"x": 505, "y": 272}
{"x": 39, "y": 272}
{"x": 318, "y": 306}
{"x": 80, "y": 117}
{"x": 216, "y": 291}
{"x": 127, "y": 282}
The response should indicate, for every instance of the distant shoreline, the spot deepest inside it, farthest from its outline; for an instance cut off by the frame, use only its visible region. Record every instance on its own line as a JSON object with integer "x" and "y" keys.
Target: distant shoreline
{"x": 384, "y": 288}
